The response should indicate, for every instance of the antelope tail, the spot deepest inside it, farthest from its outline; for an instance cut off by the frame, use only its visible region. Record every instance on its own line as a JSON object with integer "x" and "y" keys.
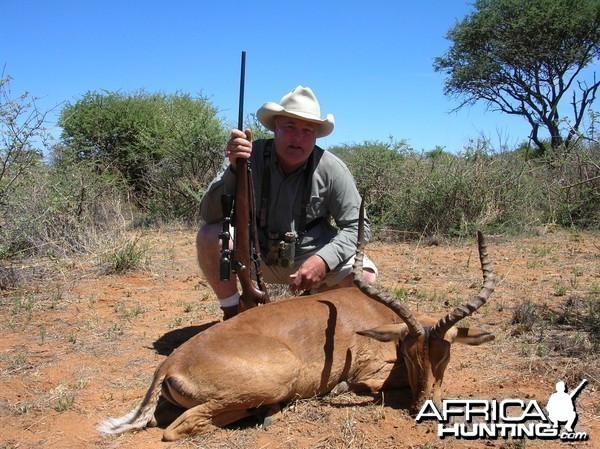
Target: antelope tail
{"x": 139, "y": 417}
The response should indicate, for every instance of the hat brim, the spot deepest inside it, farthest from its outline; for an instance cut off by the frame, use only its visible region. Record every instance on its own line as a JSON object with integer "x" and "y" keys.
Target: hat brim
{"x": 268, "y": 111}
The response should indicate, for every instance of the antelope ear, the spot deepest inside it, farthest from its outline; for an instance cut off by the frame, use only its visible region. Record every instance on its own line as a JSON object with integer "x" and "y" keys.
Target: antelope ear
{"x": 387, "y": 332}
{"x": 468, "y": 336}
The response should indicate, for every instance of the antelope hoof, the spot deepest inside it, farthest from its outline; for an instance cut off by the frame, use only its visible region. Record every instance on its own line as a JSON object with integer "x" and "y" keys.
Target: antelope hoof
{"x": 340, "y": 388}
{"x": 268, "y": 415}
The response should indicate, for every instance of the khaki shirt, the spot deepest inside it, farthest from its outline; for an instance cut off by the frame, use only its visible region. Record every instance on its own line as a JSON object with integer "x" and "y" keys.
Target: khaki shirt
{"x": 333, "y": 197}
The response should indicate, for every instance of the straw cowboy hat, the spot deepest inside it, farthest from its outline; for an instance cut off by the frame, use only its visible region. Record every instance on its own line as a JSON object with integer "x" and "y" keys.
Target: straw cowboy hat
{"x": 300, "y": 103}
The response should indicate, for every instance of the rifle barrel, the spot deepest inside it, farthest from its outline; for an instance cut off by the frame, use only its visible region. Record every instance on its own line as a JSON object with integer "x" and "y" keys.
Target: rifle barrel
{"x": 242, "y": 83}
{"x": 578, "y": 389}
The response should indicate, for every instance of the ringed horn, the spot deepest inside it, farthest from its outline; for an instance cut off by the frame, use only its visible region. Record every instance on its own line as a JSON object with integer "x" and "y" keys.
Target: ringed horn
{"x": 426, "y": 349}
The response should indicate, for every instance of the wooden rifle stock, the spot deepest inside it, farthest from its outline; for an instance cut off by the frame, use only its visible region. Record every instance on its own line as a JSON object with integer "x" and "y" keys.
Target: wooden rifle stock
{"x": 244, "y": 254}
{"x": 251, "y": 295}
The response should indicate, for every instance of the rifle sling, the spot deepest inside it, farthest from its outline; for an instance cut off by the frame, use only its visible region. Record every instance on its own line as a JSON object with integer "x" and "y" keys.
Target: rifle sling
{"x": 255, "y": 252}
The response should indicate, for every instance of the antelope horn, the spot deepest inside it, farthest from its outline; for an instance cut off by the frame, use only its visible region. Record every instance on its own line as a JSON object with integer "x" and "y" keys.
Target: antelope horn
{"x": 467, "y": 309}
{"x": 414, "y": 327}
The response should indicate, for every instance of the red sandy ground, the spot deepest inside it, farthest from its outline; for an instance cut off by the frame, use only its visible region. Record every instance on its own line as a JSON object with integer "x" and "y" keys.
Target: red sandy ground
{"x": 80, "y": 347}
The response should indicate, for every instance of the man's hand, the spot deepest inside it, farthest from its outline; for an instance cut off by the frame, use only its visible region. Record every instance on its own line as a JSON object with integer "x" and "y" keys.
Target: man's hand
{"x": 239, "y": 145}
{"x": 311, "y": 272}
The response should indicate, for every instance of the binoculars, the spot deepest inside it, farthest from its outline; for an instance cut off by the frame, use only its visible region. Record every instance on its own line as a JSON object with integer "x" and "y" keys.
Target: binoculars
{"x": 281, "y": 250}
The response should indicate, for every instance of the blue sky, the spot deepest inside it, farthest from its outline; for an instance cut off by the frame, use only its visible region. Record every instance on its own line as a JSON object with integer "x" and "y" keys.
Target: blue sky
{"x": 369, "y": 62}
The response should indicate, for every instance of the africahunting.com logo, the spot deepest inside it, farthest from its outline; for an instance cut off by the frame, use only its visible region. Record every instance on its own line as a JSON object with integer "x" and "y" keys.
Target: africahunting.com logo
{"x": 509, "y": 418}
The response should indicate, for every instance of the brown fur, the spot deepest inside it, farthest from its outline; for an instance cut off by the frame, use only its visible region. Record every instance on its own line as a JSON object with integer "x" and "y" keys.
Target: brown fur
{"x": 298, "y": 347}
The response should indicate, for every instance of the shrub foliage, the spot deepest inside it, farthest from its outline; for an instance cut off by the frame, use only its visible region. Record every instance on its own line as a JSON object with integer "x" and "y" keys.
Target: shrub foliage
{"x": 437, "y": 192}
{"x": 165, "y": 147}
{"x": 122, "y": 160}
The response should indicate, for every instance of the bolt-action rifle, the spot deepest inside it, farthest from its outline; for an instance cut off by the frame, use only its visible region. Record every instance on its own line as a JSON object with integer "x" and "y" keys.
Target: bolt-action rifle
{"x": 246, "y": 251}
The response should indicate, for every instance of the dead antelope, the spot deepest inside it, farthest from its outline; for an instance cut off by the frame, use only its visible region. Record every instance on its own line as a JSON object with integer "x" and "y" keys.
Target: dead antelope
{"x": 304, "y": 347}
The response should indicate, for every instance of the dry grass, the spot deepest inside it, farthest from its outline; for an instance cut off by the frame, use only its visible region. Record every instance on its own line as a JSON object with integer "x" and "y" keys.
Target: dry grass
{"x": 78, "y": 346}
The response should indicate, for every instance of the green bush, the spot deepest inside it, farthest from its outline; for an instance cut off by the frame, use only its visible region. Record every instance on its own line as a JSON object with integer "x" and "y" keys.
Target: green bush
{"x": 166, "y": 147}
{"x": 378, "y": 168}
{"x": 126, "y": 159}
{"x": 127, "y": 256}
{"x": 442, "y": 193}
{"x": 577, "y": 187}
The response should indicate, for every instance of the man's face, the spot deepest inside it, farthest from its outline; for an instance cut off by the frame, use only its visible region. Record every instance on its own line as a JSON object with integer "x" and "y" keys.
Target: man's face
{"x": 294, "y": 141}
